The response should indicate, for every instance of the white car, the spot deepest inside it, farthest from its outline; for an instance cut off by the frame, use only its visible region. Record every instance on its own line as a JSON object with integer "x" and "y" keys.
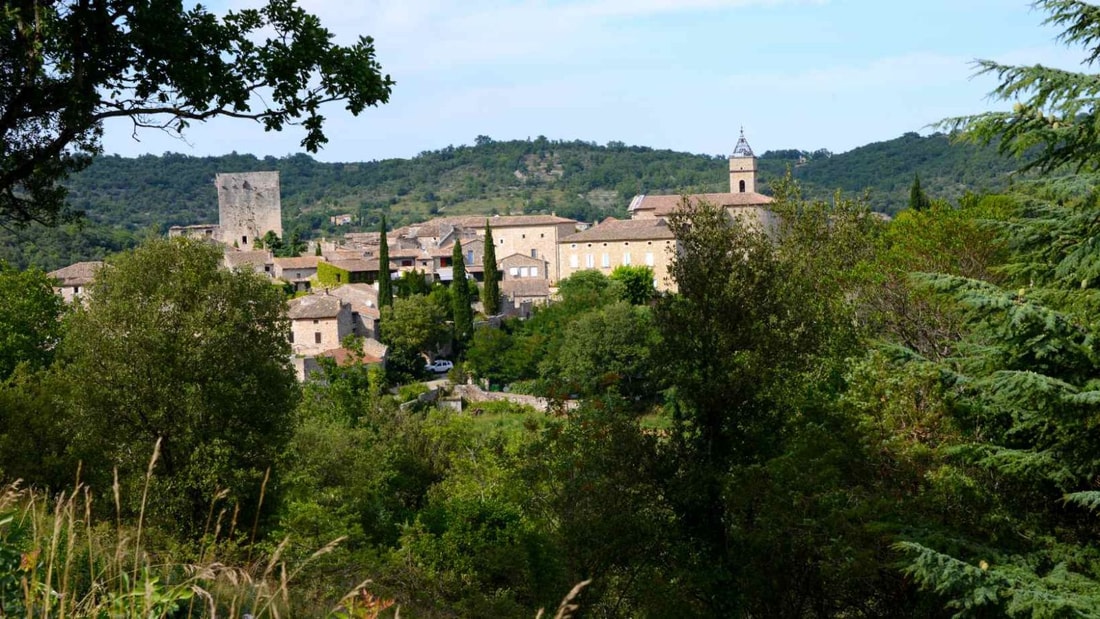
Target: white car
{"x": 439, "y": 366}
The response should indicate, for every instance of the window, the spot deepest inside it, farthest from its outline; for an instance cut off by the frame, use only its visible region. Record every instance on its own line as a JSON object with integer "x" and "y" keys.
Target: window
{"x": 605, "y": 261}
{"x": 523, "y": 236}
{"x": 316, "y": 337}
{"x": 588, "y": 261}
{"x": 541, "y": 235}
{"x": 316, "y": 322}
{"x": 291, "y": 336}
{"x": 76, "y": 289}
{"x": 524, "y": 272}
{"x": 514, "y": 271}
{"x": 534, "y": 253}
{"x": 649, "y": 258}
{"x": 338, "y": 277}
{"x": 244, "y": 241}
{"x": 573, "y": 261}
{"x": 742, "y": 186}
{"x": 470, "y": 256}
{"x": 534, "y": 271}
{"x": 626, "y": 258}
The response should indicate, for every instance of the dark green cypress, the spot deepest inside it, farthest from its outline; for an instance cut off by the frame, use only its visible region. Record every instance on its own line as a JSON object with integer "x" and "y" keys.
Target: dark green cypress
{"x": 385, "y": 284}
{"x": 490, "y": 291}
{"x": 460, "y": 296}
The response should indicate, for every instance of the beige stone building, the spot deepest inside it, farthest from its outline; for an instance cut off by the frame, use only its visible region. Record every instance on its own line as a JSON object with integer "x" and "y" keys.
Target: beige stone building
{"x": 741, "y": 202}
{"x": 297, "y": 271}
{"x": 318, "y": 322}
{"x": 613, "y": 243}
{"x": 73, "y": 280}
{"x": 428, "y": 245}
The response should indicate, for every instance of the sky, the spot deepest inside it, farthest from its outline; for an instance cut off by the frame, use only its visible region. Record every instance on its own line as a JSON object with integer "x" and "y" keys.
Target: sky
{"x": 685, "y": 75}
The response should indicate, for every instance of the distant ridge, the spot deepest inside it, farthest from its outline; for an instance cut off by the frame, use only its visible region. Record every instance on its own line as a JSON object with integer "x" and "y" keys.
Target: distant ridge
{"x": 127, "y": 197}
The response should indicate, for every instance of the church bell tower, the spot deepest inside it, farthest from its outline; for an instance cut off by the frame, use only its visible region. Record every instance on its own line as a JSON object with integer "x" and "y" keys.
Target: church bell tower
{"x": 742, "y": 167}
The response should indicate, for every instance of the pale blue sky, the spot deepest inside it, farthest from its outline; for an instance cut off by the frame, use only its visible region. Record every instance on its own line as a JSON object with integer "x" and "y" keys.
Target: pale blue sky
{"x": 679, "y": 74}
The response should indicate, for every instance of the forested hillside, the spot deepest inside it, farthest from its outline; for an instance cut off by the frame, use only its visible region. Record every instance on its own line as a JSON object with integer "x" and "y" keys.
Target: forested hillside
{"x": 126, "y": 199}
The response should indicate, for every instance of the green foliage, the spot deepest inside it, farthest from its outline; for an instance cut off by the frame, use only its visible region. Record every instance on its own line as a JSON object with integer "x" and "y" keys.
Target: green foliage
{"x": 918, "y": 200}
{"x": 174, "y": 66}
{"x": 30, "y": 316}
{"x": 385, "y": 282}
{"x": 637, "y": 281}
{"x": 1054, "y": 119}
{"x": 607, "y": 349}
{"x": 171, "y": 347}
{"x": 413, "y": 327}
{"x": 331, "y": 275}
{"x": 490, "y": 290}
{"x": 280, "y": 249}
{"x": 411, "y": 283}
{"x": 461, "y": 311}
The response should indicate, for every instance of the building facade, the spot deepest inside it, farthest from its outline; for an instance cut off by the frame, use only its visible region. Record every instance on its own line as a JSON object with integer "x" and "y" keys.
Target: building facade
{"x": 613, "y": 243}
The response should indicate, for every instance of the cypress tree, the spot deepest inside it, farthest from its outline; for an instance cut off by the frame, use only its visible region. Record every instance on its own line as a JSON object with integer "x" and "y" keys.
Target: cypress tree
{"x": 490, "y": 292}
{"x": 385, "y": 284}
{"x": 918, "y": 200}
{"x": 460, "y": 296}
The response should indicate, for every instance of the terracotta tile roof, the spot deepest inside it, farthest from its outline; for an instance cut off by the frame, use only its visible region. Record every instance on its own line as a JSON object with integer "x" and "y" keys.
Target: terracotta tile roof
{"x": 314, "y": 306}
{"x": 355, "y": 265}
{"x": 520, "y": 260}
{"x": 343, "y": 254}
{"x": 525, "y": 287}
{"x": 624, "y": 230}
{"x": 506, "y": 221}
{"x": 252, "y": 258}
{"x": 665, "y": 205}
{"x": 301, "y": 262}
{"x": 79, "y": 274}
{"x": 359, "y": 295}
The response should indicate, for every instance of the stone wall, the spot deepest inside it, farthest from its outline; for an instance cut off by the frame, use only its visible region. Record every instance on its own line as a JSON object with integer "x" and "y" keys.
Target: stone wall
{"x": 249, "y": 206}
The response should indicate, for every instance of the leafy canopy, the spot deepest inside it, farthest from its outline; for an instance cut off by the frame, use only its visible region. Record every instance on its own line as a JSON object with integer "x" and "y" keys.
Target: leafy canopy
{"x": 67, "y": 66}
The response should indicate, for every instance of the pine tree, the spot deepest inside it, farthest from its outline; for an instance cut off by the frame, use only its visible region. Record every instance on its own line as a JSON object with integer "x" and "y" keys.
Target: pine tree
{"x": 918, "y": 200}
{"x": 490, "y": 291}
{"x": 1054, "y": 117}
{"x": 460, "y": 297}
{"x": 385, "y": 284}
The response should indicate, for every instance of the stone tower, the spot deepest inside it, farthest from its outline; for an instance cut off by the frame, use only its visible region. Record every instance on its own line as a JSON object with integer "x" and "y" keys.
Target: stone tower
{"x": 248, "y": 207}
{"x": 742, "y": 167}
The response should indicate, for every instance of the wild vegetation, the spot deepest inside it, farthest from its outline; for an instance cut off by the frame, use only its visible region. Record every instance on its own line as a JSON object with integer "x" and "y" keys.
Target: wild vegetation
{"x": 841, "y": 416}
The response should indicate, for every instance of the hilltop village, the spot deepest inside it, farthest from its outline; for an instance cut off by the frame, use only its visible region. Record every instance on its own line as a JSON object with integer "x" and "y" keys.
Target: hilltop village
{"x": 335, "y": 284}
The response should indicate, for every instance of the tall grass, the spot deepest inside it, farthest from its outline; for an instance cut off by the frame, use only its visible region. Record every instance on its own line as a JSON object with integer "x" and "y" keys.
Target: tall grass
{"x": 57, "y": 562}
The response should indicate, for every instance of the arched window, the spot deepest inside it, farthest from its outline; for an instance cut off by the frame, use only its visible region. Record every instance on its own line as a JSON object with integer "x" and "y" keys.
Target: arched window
{"x": 742, "y": 186}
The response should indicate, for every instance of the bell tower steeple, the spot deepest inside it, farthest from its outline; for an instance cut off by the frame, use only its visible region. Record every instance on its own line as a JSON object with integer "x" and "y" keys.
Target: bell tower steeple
{"x": 742, "y": 167}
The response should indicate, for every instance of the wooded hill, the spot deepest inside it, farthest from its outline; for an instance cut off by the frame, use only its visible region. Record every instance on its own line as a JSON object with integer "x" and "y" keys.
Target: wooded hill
{"x": 125, "y": 199}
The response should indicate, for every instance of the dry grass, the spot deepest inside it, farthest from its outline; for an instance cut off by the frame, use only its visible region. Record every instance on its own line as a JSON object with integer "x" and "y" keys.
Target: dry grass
{"x": 55, "y": 561}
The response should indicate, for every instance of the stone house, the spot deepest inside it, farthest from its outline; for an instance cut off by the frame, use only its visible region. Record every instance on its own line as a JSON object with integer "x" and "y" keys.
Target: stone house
{"x": 73, "y": 280}
{"x": 429, "y": 244}
{"x": 527, "y": 292}
{"x": 258, "y": 260}
{"x": 520, "y": 266}
{"x": 363, "y": 299}
{"x": 297, "y": 271}
{"x": 614, "y": 242}
{"x": 334, "y": 272}
{"x": 318, "y": 322}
